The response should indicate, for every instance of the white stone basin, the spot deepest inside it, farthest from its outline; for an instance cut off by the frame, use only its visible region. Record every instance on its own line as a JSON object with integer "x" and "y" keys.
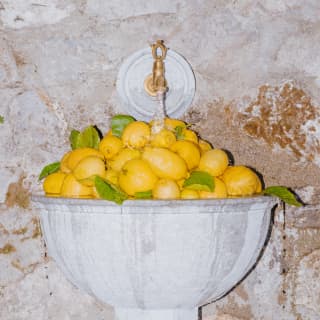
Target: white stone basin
{"x": 155, "y": 259}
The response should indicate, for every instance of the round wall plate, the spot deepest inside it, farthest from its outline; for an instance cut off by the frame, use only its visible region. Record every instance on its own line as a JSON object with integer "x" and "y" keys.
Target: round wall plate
{"x": 137, "y": 102}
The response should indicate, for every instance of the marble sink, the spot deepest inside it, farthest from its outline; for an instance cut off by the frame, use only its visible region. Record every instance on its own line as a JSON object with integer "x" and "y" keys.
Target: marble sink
{"x": 155, "y": 259}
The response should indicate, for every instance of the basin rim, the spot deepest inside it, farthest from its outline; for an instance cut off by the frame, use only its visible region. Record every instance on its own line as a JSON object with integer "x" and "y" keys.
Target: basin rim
{"x": 148, "y": 203}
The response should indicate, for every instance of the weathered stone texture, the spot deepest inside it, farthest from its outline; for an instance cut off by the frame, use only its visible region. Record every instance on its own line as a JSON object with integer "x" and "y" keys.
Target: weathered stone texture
{"x": 257, "y": 69}
{"x": 307, "y": 298}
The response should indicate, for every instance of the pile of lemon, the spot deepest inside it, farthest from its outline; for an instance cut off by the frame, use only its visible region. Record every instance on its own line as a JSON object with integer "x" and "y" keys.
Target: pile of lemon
{"x": 139, "y": 160}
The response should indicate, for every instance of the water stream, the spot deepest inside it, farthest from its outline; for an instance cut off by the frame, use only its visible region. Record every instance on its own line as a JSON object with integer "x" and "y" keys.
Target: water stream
{"x": 160, "y": 113}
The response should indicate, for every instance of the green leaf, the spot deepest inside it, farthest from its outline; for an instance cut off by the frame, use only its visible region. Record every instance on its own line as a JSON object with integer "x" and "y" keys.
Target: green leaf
{"x": 199, "y": 180}
{"x": 74, "y": 137}
{"x": 119, "y": 122}
{"x": 179, "y": 132}
{"x": 89, "y": 138}
{"x": 284, "y": 194}
{"x": 1, "y": 119}
{"x": 48, "y": 169}
{"x": 143, "y": 195}
{"x": 107, "y": 191}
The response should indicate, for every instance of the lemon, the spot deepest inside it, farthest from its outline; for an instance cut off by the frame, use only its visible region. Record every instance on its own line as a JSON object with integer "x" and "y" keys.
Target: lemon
{"x": 80, "y": 153}
{"x": 136, "y": 134}
{"x": 171, "y": 124}
{"x": 204, "y": 145}
{"x": 64, "y": 163}
{"x": 53, "y": 195}
{"x": 110, "y": 146}
{"x": 241, "y": 181}
{"x": 136, "y": 176}
{"x": 165, "y": 163}
{"x": 53, "y": 182}
{"x": 95, "y": 193}
{"x": 88, "y": 168}
{"x": 181, "y": 182}
{"x": 189, "y": 194}
{"x": 164, "y": 139}
{"x": 188, "y": 151}
{"x": 112, "y": 176}
{"x": 122, "y": 157}
{"x": 72, "y": 188}
{"x": 190, "y": 135}
{"x": 220, "y": 190}
{"x": 214, "y": 161}
{"x": 166, "y": 189}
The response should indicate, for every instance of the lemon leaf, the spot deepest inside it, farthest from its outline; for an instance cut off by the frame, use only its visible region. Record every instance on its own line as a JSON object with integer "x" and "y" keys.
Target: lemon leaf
{"x": 284, "y": 194}
{"x": 74, "y": 136}
{"x": 119, "y": 196}
{"x": 48, "y": 169}
{"x": 199, "y": 187}
{"x": 89, "y": 138}
{"x": 119, "y": 122}
{"x": 179, "y": 132}
{"x": 1, "y": 119}
{"x": 107, "y": 191}
{"x": 143, "y": 195}
{"x": 199, "y": 180}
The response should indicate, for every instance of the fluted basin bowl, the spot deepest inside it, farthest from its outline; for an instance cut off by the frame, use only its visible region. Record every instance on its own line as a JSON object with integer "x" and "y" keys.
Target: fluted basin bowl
{"x": 155, "y": 259}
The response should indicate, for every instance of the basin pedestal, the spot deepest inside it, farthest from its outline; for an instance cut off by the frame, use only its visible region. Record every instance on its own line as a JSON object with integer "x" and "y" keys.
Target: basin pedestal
{"x": 156, "y": 314}
{"x": 154, "y": 259}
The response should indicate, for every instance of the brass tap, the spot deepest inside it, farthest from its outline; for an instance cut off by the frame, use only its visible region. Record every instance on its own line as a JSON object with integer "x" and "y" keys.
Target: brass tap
{"x": 156, "y": 83}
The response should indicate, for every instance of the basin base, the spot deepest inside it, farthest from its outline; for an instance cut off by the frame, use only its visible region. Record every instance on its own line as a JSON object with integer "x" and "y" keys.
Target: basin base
{"x": 156, "y": 314}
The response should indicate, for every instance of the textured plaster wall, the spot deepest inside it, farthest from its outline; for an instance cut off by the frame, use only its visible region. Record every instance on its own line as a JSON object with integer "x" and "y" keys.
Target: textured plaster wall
{"x": 257, "y": 67}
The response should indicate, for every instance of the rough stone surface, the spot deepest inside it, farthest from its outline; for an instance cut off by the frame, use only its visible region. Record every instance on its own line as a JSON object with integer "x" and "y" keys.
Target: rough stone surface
{"x": 307, "y": 290}
{"x": 257, "y": 69}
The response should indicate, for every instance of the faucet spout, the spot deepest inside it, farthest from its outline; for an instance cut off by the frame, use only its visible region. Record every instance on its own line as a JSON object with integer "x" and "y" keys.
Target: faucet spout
{"x": 158, "y": 79}
{"x": 156, "y": 82}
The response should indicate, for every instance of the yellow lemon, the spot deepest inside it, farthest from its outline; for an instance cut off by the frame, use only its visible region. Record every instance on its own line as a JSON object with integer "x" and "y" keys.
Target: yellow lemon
{"x": 72, "y": 188}
{"x": 181, "y": 182}
{"x": 204, "y": 145}
{"x": 64, "y": 163}
{"x": 88, "y": 168}
{"x": 214, "y": 161}
{"x": 165, "y": 163}
{"x": 80, "y": 153}
{"x": 122, "y": 157}
{"x": 220, "y": 190}
{"x": 53, "y": 182}
{"x": 112, "y": 176}
{"x": 241, "y": 181}
{"x": 110, "y": 146}
{"x": 189, "y": 194}
{"x": 164, "y": 139}
{"x": 190, "y": 135}
{"x": 53, "y": 195}
{"x": 136, "y": 176}
{"x": 259, "y": 185}
{"x": 166, "y": 189}
{"x": 95, "y": 193}
{"x": 136, "y": 134}
{"x": 188, "y": 151}
{"x": 171, "y": 124}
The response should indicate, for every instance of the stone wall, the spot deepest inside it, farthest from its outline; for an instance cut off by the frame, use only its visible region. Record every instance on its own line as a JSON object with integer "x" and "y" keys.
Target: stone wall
{"x": 257, "y": 67}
